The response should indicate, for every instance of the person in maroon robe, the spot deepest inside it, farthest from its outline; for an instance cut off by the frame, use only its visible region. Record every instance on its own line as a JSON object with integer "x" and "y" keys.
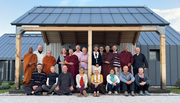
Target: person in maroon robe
{"x": 71, "y": 62}
{"x": 126, "y": 59}
{"x": 107, "y": 60}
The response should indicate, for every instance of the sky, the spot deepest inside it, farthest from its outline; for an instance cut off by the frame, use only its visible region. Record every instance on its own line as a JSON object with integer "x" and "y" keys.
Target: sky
{"x": 12, "y": 9}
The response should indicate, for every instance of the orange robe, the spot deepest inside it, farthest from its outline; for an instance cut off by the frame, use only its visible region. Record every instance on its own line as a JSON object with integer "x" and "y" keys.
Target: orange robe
{"x": 47, "y": 63}
{"x": 28, "y": 70}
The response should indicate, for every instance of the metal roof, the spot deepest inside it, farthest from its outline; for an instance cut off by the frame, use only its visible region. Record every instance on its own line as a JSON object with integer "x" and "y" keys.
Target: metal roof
{"x": 152, "y": 38}
{"x": 76, "y": 16}
{"x": 7, "y": 45}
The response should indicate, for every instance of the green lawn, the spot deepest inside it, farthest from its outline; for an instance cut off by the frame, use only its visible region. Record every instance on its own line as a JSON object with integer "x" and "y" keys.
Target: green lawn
{"x": 174, "y": 90}
{"x": 6, "y": 90}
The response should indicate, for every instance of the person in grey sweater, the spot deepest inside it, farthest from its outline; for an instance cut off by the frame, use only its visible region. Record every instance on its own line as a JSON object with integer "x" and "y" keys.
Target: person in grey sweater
{"x": 142, "y": 81}
{"x": 127, "y": 81}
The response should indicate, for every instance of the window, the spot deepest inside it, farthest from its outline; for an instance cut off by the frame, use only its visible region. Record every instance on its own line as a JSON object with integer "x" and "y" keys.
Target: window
{"x": 154, "y": 55}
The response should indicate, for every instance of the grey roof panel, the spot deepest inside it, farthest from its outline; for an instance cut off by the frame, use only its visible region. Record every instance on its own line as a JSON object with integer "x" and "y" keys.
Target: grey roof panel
{"x": 68, "y": 16}
{"x": 84, "y": 19}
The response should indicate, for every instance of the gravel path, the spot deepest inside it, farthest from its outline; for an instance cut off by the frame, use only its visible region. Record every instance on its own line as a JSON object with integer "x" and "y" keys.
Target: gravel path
{"x": 154, "y": 98}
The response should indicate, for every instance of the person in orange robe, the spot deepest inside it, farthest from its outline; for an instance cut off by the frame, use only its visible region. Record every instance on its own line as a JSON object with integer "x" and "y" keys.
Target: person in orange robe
{"x": 72, "y": 63}
{"x": 48, "y": 61}
{"x": 30, "y": 62}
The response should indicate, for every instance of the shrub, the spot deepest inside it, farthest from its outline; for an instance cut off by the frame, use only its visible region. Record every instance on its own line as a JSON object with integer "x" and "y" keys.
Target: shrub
{"x": 178, "y": 83}
{"x": 2, "y": 87}
{"x": 1, "y": 82}
{"x": 11, "y": 83}
{"x": 21, "y": 82}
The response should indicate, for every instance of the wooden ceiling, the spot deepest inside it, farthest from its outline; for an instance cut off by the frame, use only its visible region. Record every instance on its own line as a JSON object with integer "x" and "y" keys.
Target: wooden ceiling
{"x": 97, "y": 37}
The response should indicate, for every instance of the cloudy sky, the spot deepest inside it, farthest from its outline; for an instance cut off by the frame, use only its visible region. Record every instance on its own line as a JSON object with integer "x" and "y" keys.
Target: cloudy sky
{"x": 12, "y": 9}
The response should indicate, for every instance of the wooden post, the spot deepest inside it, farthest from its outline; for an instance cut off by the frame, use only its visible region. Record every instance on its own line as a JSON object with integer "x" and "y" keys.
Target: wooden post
{"x": 18, "y": 61}
{"x": 89, "y": 56}
{"x": 163, "y": 61}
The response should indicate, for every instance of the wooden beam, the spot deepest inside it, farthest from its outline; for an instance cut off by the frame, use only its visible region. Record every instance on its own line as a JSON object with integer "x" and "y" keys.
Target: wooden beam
{"x": 18, "y": 61}
{"x": 119, "y": 38}
{"x": 60, "y": 38}
{"x": 105, "y": 38}
{"x": 89, "y": 56}
{"x": 136, "y": 37}
{"x": 136, "y": 28}
{"x": 44, "y": 35}
{"x": 75, "y": 38}
{"x": 163, "y": 61}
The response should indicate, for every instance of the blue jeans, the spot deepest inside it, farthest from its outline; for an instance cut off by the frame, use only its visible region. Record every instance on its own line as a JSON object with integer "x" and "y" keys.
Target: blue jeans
{"x": 115, "y": 88}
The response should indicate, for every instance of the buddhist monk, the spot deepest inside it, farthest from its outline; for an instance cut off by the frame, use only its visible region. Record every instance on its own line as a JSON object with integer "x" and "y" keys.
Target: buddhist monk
{"x": 30, "y": 61}
{"x": 108, "y": 60}
{"x": 126, "y": 58}
{"x": 71, "y": 62}
{"x": 48, "y": 61}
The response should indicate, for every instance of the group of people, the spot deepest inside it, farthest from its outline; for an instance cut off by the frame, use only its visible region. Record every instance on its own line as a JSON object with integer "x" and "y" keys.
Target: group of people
{"x": 111, "y": 70}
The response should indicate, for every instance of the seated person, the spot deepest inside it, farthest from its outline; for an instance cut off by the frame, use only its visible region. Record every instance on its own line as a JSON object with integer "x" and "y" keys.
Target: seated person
{"x": 113, "y": 81}
{"x": 142, "y": 81}
{"x": 65, "y": 82}
{"x": 81, "y": 81}
{"x": 38, "y": 78}
{"x": 51, "y": 82}
{"x": 96, "y": 80}
{"x": 127, "y": 81}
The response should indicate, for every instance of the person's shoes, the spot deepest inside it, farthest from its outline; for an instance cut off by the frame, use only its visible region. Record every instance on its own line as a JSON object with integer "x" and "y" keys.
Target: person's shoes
{"x": 97, "y": 95}
{"x": 85, "y": 93}
{"x": 94, "y": 95}
{"x": 146, "y": 93}
{"x": 115, "y": 92}
{"x": 132, "y": 93}
{"x": 109, "y": 93}
{"x": 52, "y": 93}
{"x": 79, "y": 95}
{"x": 126, "y": 93}
{"x": 45, "y": 93}
{"x": 141, "y": 93}
{"x": 38, "y": 93}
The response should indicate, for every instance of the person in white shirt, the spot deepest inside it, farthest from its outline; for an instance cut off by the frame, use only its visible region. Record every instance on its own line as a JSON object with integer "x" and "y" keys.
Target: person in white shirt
{"x": 81, "y": 81}
{"x": 40, "y": 54}
{"x": 113, "y": 82}
{"x": 78, "y": 53}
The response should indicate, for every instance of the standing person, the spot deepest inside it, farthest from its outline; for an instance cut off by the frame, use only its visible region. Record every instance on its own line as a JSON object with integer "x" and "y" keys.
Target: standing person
{"x": 142, "y": 81}
{"x": 78, "y": 53}
{"x": 84, "y": 60}
{"x": 71, "y": 62}
{"x": 96, "y": 59}
{"x": 81, "y": 81}
{"x": 48, "y": 61}
{"x": 113, "y": 82}
{"x": 51, "y": 81}
{"x": 96, "y": 80}
{"x": 60, "y": 60}
{"x": 38, "y": 79}
{"x": 30, "y": 62}
{"x": 65, "y": 82}
{"x": 126, "y": 58}
{"x": 127, "y": 81}
{"x": 116, "y": 60}
{"x": 139, "y": 61}
{"x": 40, "y": 54}
{"x": 108, "y": 60}
{"x": 101, "y": 49}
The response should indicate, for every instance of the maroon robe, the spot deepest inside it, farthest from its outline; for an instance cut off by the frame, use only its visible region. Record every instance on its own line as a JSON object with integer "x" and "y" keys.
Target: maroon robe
{"x": 106, "y": 67}
{"x": 73, "y": 69}
{"x": 125, "y": 58}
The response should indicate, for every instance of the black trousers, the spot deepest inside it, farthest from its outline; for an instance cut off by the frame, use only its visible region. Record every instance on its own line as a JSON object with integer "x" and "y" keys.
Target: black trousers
{"x": 29, "y": 89}
{"x": 144, "y": 87}
{"x": 96, "y": 89}
{"x": 127, "y": 87}
{"x": 135, "y": 71}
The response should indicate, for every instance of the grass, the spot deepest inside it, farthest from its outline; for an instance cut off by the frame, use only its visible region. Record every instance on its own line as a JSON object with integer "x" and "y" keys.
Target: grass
{"x": 174, "y": 90}
{"x": 7, "y": 90}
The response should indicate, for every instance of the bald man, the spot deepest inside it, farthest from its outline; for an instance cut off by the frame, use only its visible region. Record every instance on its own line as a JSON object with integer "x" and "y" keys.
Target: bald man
{"x": 84, "y": 60}
{"x": 30, "y": 61}
{"x": 107, "y": 63}
{"x": 48, "y": 61}
{"x": 40, "y": 54}
{"x": 126, "y": 58}
{"x": 116, "y": 60}
{"x": 78, "y": 53}
{"x": 139, "y": 61}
